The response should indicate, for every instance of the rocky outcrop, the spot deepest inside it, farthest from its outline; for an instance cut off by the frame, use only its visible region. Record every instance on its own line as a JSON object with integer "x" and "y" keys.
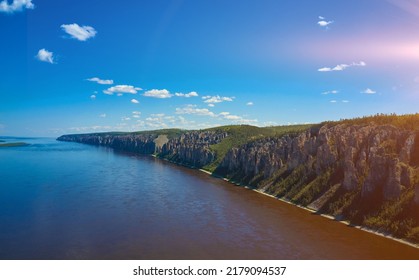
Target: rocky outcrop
{"x": 142, "y": 143}
{"x": 190, "y": 148}
{"x": 374, "y": 159}
{"x": 193, "y": 148}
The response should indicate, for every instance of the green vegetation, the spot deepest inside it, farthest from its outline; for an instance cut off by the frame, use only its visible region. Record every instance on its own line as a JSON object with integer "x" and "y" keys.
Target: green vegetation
{"x": 170, "y": 133}
{"x": 394, "y": 216}
{"x": 312, "y": 190}
{"x": 409, "y": 121}
{"x": 16, "y": 144}
{"x": 239, "y": 135}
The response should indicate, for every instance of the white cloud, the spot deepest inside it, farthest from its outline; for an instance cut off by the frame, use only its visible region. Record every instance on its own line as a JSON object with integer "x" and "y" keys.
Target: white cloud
{"x": 270, "y": 123}
{"x": 368, "y": 91}
{"x": 157, "y": 121}
{"x": 122, "y": 89}
{"x": 46, "y": 56}
{"x": 90, "y": 128}
{"x": 187, "y": 95}
{"x": 232, "y": 117}
{"x": 102, "y": 115}
{"x": 211, "y": 105}
{"x": 159, "y": 115}
{"x": 100, "y": 81}
{"x": 333, "y": 101}
{"x": 93, "y": 96}
{"x": 136, "y": 113}
{"x": 236, "y": 119}
{"x": 341, "y": 67}
{"x": 361, "y": 63}
{"x": 16, "y": 6}
{"x": 193, "y": 110}
{"x": 330, "y": 92}
{"x": 158, "y": 93}
{"x": 81, "y": 33}
{"x": 126, "y": 119}
{"x": 345, "y": 101}
{"x": 216, "y": 99}
{"x": 249, "y": 103}
{"x": 324, "y": 23}
{"x": 135, "y": 101}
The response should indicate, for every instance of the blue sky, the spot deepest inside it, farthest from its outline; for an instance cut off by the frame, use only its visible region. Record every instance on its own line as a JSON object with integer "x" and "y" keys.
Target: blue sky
{"x": 74, "y": 66}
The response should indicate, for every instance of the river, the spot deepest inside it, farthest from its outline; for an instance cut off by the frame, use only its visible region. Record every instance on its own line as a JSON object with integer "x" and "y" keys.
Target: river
{"x": 63, "y": 200}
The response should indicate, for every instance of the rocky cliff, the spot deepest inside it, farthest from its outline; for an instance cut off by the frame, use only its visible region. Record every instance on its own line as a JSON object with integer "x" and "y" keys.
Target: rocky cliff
{"x": 190, "y": 148}
{"x": 367, "y": 173}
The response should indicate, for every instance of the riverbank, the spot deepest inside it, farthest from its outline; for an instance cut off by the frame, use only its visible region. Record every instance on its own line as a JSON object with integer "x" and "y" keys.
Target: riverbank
{"x": 330, "y": 217}
{"x": 313, "y": 211}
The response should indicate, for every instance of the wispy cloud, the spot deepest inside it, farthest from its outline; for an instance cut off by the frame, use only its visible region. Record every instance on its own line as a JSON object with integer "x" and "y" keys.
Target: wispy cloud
{"x": 236, "y": 119}
{"x": 81, "y": 33}
{"x": 187, "y": 95}
{"x": 93, "y": 96}
{"x": 216, "y": 99}
{"x": 249, "y": 103}
{"x": 15, "y": 6}
{"x": 102, "y": 115}
{"x": 158, "y": 93}
{"x": 100, "y": 81}
{"x": 330, "y": 92}
{"x": 368, "y": 91}
{"x": 193, "y": 110}
{"x": 336, "y": 101}
{"x": 341, "y": 67}
{"x": 136, "y": 114}
{"x": 135, "y": 101}
{"x": 45, "y": 56}
{"x": 120, "y": 89}
{"x": 90, "y": 128}
{"x": 323, "y": 22}
{"x": 158, "y": 121}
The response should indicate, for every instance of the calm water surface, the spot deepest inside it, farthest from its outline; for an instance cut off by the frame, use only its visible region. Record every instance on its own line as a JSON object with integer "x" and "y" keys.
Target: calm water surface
{"x": 73, "y": 201}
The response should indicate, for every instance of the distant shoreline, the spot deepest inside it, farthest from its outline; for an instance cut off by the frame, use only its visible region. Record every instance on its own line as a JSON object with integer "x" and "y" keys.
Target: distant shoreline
{"x": 12, "y": 144}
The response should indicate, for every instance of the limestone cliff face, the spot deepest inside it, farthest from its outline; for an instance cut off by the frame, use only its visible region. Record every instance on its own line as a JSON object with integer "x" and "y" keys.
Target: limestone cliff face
{"x": 192, "y": 148}
{"x": 143, "y": 144}
{"x": 375, "y": 159}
